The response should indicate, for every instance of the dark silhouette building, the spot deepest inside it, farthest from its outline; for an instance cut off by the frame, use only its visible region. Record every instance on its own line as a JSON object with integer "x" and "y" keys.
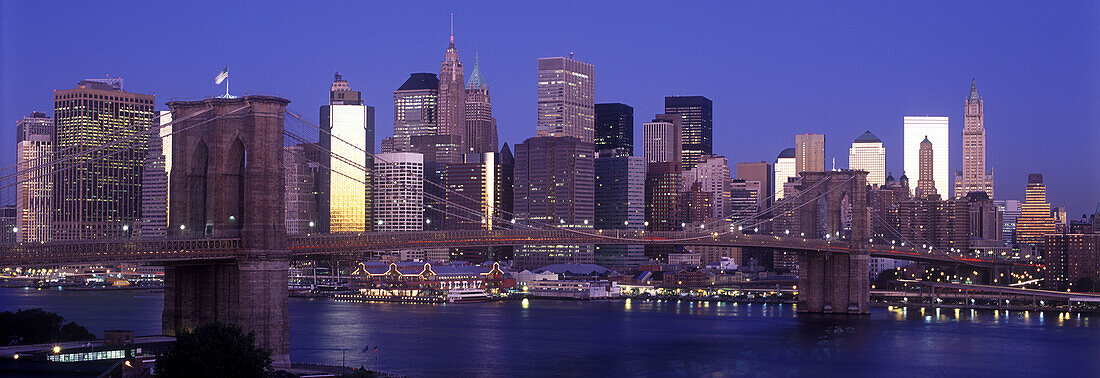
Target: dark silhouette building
{"x": 615, "y": 127}
{"x": 697, "y": 127}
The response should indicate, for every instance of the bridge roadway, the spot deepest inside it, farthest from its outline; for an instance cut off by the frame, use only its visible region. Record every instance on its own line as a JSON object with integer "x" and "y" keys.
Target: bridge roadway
{"x": 185, "y": 250}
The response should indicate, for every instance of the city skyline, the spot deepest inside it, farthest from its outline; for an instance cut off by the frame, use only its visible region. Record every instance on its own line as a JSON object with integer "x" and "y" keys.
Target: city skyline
{"x": 745, "y": 129}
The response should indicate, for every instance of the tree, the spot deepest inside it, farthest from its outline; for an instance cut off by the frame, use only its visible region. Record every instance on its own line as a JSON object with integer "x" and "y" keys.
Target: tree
{"x": 214, "y": 350}
{"x": 37, "y": 326}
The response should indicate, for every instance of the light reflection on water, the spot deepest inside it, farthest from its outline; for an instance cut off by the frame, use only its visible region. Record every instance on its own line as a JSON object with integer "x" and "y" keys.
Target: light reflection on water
{"x": 639, "y": 337}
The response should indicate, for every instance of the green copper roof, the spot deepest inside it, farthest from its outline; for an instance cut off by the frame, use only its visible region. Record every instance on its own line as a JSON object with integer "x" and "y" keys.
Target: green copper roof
{"x": 476, "y": 81}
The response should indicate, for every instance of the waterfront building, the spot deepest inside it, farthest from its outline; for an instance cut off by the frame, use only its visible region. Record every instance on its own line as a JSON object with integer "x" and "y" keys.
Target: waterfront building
{"x": 479, "y": 197}
{"x": 697, "y": 128}
{"x": 620, "y": 205}
{"x": 451, "y": 108}
{"x": 1034, "y": 220}
{"x": 809, "y": 152}
{"x": 34, "y": 189}
{"x": 1072, "y": 262}
{"x": 786, "y": 167}
{"x": 399, "y": 192}
{"x": 1010, "y": 212}
{"x": 918, "y": 128}
{"x": 415, "y": 106}
{"x": 566, "y": 98}
{"x": 154, "y": 182}
{"x": 554, "y": 185}
{"x": 301, "y": 174}
{"x": 615, "y": 127}
{"x": 973, "y": 177}
{"x": 926, "y": 186}
{"x": 347, "y": 140}
{"x": 712, "y": 172}
{"x": 764, "y": 174}
{"x": 868, "y": 154}
{"x": 661, "y": 139}
{"x": 99, "y": 196}
{"x": 481, "y": 126}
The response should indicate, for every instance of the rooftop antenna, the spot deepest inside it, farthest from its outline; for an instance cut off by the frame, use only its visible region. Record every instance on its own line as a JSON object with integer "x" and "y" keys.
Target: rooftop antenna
{"x": 570, "y": 55}
{"x": 452, "y": 27}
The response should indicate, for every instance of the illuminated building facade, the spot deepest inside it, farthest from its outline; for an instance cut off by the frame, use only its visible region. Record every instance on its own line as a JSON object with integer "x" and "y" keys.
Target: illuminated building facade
{"x": 697, "y": 127}
{"x": 154, "y": 185}
{"x": 566, "y": 98}
{"x": 554, "y": 185}
{"x": 785, "y": 168}
{"x": 99, "y": 196}
{"x": 1034, "y": 221}
{"x": 479, "y": 197}
{"x": 398, "y": 192}
{"x": 415, "y": 106}
{"x": 347, "y": 140}
{"x": 926, "y": 185}
{"x": 712, "y": 173}
{"x": 973, "y": 177}
{"x": 868, "y": 154}
{"x": 936, "y": 131}
{"x": 1072, "y": 262}
{"x": 809, "y": 152}
{"x": 661, "y": 139}
{"x": 452, "y": 97}
{"x": 33, "y": 192}
{"x": 481, "y": 126}
{"x": 615, "y": 127}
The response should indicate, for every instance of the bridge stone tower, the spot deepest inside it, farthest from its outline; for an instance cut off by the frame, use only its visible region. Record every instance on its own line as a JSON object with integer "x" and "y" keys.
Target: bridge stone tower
{"x": 829, "y": 282}
{"x": 227, "y": 183}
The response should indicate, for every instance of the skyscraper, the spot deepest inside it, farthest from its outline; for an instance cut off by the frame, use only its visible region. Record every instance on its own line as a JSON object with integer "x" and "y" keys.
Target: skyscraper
{"x": 973, "y": 177}
{"x": 615, "y": 127}
{"x": 566, "y": 98}
{"x": 99, "y": 196}
{"x": 554, "y": 179}
{"x": 452, "y": 96}
{"x": 785, "y": 167}
{"x": 712, "y": 173}
{"x": 697, "y": 128}
{"x": 868, "y": 154}
{"x": 34, "y": 190}
{"x": 415, "y": 105}
{"x": 809, "y": 153}
{"x": 762, "y": 173}
{"x": 1034, "y": 220}
{"x": 620, "y": 205}
{"x": 926, "y": 185}
{"x": 399, "y": 192}
{"x": 301, "y": 173}
{"x": 661, "y": 139}
{"x": 481, "y": 126}
{"x": 347, "y": 126}
{"x": 154, "y": 182}
{"x": 935, "y": 129}
{"x": 479, "y": 197}
{"x": 1010, "y": 210}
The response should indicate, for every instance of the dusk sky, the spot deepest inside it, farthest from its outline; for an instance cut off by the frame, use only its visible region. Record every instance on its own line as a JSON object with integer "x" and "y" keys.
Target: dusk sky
{"x": 773, "y": 69}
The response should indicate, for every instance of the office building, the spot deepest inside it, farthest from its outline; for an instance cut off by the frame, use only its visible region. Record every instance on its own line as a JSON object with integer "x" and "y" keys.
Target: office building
{"x": 936, "y": 131}
{"x": 809, "y": 152}
{"x": 712, "y": 172}
{"x": 615, "y": 127}
{"x": 34, "y": 189}
{"x": 415, "y": 106}
{"x": 1010, "y": 212}
{"x": 438, "y": 151}
{"x": 1072, "y": 262}
{"x": 451, "y": 108}
{"x": 479, "y": 197}
{"x": 566, "y": 98}
{"x": 661, "y": 139}
{"x": 744, "y": 198}
{"x": 973, "y": 177}
{"x": 926, "y": 185}
{"x": 554, "y": 185}
{"x": 154, "y": 182}
{"x": 697, "y": 128}
{"x": 620, "y": 205}
{"x": 1034, "y": 220}
{"x": 785, "y": 168}
{"x": 301, "y": 172}
{"x": 347, "y": 140}
{"x": 398, "y": 192}
{"x": 868, "y": 154}
{"x": 481, "y": 126}
{"x": 763, "y": 173}
{"x": 100, "y": 195}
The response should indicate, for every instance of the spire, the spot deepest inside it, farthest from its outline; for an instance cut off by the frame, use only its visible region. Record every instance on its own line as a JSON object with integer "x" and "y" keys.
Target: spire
{"x": 973, "y": 91}
{"x": 476, "y": 81}
{"x": 452, "y": 30}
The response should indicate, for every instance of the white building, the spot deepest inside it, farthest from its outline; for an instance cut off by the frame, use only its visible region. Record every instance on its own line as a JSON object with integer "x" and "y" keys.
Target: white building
{"x": 34, "y": 188}
{"x": 662, "y": 139}
{"x": 574, "y": 289}
{"x": 936, "y": 129}
{"x": 785, "y": 166}
{"x": 868, "y": 154}
{"x": 566, "y": 98}
{"x": 154, "y": 181}
{"x": 399, "y": 192}
{"x": 713, "y": 174}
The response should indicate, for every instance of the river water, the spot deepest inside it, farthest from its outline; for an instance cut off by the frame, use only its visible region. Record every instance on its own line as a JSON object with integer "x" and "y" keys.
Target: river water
{"x": 638, "y": 338}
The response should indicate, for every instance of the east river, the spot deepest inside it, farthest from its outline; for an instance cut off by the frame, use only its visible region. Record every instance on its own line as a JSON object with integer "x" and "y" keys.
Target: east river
{"x": 638, "y": 337}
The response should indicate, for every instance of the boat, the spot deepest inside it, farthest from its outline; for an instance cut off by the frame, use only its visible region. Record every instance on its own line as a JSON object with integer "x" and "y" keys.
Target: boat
{"x": 467, "y": 296}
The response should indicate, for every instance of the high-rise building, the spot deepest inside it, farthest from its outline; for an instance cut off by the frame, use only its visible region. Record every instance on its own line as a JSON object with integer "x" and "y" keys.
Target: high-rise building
{"x": 926, "y": 184}
{"x": 786, "y": 167}
{"x": 1072, "y": 262}
{"x": 554, "y": 185}
{"x": 481, "y": 126}
{"x": 479, "y": 197}
{"x": 868, "y": 154}
{"x": 8, "y": 229}
{"x": 763, "y": 173}
{"x": 697, "y": 128}
{"x": 809, "y": 152}
{"x": 941, "y": 224}
{"x": 566, "y": 98}
{"x": 615, "y": 127}
{"x": 712, "y": 172}
{"x": 34, "y": 189}
{"x": 1034, "y": 220}
{"x": 438, "y": 152}
{"x": 744, "y": 198}
{"x": 399, "y": 192}
{"x": 415, "y": 106}
{"x": 661, "y": 139}
{"x": 99, "y": 196}
{"x": 620, "y": 205}
{"x": 301, "y": 174}
{"x": 347, "y": 139}
{"x": 936, "y": 131}
{"x": 452, "y": 96}
{"x": 154, "y": 182}
{"x": 1010, "y": 211}
{"x": 663, "y": 206}
{"x": 974, "y": 177}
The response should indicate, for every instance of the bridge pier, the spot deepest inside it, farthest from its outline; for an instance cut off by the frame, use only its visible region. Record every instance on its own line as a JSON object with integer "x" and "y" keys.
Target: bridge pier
{"x": 835, "y": 282}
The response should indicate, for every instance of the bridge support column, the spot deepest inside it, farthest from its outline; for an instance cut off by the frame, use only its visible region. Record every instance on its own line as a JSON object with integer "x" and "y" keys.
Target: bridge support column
{"x": 833, "y": 283}
{"x": 248, "y": 293}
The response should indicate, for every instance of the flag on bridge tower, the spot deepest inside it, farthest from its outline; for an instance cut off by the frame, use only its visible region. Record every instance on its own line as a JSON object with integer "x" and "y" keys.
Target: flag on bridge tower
{"x": 222, "y": 76}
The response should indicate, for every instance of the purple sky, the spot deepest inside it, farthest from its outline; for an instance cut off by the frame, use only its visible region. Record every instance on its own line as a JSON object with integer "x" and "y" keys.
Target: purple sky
{"x": 773, "y": 69}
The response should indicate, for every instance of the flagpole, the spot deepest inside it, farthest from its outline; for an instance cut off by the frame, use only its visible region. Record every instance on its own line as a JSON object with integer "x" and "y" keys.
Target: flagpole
{"x": 227, "y": 86}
